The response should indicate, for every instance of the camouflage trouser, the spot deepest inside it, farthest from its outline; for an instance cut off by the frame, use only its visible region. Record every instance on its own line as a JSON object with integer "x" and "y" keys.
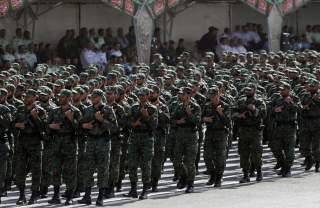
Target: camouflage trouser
{"x": 97, "y": 157}
{"x": 250, "y": 148}
{"x": 170, "y": 143}
{"x": 28, "y": 154}
{"x": 81, "y": 161}
{"x": 64, "y": 161}
{"x": 159, "y": 155}
{"x": 46, "y": 177}
{"x": 140, "y": 152}
{"x": 200, "y": 141}
{"x": 310, "y": 143}
{"x": 185, "y": 153}
{"x": 284, "y": 142}
{"x": 124, "y": 157}
{"x": 4, "y": 155}
{"x": 115, "y": 155}
{"x": 215, "y": 151}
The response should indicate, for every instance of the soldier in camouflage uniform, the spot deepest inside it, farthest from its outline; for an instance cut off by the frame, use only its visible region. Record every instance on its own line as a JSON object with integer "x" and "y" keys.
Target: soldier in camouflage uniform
{"x": 5, "y": 123}
{"x": 250, "y": 112}
{"x": 216, "y": 116}
{"x": 144, "y": 121}
{"x": 30, "y": 121}
{"x": 99, "y": 121}
{"x": 115, "y": 154}
{"x": 161, "y": 134}
{"x": 284, "y": 111}
{"x": 310, "y": 129}
{"x": 63, "y": 122}
{"x": 46, "y": 177}
{"x": 186, "y": 115}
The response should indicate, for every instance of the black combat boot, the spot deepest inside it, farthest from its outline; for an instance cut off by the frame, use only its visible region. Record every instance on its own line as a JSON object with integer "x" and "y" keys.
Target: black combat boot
{"x": 317, "y": 167}
{"x": 211, "y": 180}
{"x": 144, "y": 193}
{"x": 119, "y": 186}
{"x": 252, "y": 171}
{"x": 175, "y": 177}
{"x": 109, "y": 192}
{"x": 43, "y": 192}
{"x": 99, "y": 201}
{"x": 56, "y": 196}
{"x": 245, "y": 178}
{"x": 182, "y": 183}
{"x": 259, "y": 174}
{"x": 22, "y": 198}
{"x": 34, "y": 197}
{"x": 77, "y": 192}
{"x": 309, "y": 163}
{"x": 86, "y": 199}
{"x": 133, "y": 192}
{"x": 69, "y": 197}
{"x": 217, "y": 182}
{"x": 154, "y": 185}
{"x": 287, "y": 172}
{"x": 189, "y": 188}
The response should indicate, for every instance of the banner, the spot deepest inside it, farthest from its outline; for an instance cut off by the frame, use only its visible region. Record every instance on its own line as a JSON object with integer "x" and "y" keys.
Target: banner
{"x": 16, "y": 4}
{"x": 4, "y": 7}
{"x": 262, "y": 6}
{"x": 116, "y": 3}
{"x": 129, "y": 7}
{"x": 158, "y": 7}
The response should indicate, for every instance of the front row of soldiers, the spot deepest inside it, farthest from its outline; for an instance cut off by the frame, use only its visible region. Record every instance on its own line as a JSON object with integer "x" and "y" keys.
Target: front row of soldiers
{"x": 65, "y": 141}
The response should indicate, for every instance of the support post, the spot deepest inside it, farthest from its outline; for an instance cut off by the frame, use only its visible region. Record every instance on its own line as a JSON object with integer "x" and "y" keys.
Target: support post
{"x": 275, "y": 21}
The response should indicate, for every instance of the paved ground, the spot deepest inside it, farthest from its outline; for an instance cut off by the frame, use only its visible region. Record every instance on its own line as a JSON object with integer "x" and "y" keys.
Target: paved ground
{"x": 302, "y": 190}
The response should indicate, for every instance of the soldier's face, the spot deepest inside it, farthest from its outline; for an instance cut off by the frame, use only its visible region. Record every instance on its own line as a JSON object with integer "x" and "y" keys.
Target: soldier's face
{"x": 95, "y": 100}
{"x": 215, "y": 99}
{"x": 143, "y": 98}
{"x": 28, "y": 100}
{"x": 110, "y": 97}
{"x": 3, "y": 99}
{"x": 63, "y": 100}
{"x": 284, "y": 92}
{"x": 76, "y": 97}
{"x": 44, "y": 98}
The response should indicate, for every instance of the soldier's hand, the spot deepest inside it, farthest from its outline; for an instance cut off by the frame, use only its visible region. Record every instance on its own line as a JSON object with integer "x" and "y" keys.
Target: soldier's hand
{"x": 99, "y": 116}
{"x": 306, "y": 107}
{"x": 251, "y": 107}
{"x": 181, "y": 121}
{"x": 145, "y": 112}
{"x": 55, "y": 126}
{"x": 288, "y": 99}
{"x": 220, "y": 109}
{"x": 88, "y": 125}
{"x": 208, "y": 119}
{"x": 20, "y": 125}
{"x": 70, "y": 115}
{"x": 242, "y": 115}
{"x": 34, "y": 113}
{"x": 278, "y": 109}
{"x": 188, "y": 110}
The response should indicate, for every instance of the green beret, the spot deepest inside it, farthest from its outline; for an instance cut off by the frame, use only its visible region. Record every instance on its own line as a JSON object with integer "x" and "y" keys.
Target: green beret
{"x": 65, "y": 93}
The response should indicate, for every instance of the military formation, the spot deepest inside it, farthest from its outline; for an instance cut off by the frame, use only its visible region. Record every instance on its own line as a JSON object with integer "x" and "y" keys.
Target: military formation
{"x": 63, "y": 128}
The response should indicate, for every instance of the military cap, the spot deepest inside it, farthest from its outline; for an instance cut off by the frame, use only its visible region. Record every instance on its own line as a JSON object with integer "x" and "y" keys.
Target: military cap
{"x": 20, "y": 87}
{"x": 97, "y": 93}
{"x": 154, "y": 88}
{"x": 120, "y": 89}
{"x": 187, "y": 90}
{"x": 78, "y": 91}
{"x": 84, "y": 75}
{"x": 285, "y": 85}
{"x": 110, "y": 90}
{"x": 44, "y": 90}
{"x": 3, "y": 92}
{"x": 59, "y": 82}
{"x": 141, "y": 76}
{"x": 313, "y": 83}
{"x": 86, "y": 88}
{"x": 11, "y": 87}
{"x": 143, "y": 91}
{"x": 31, "y": 93}
{"x": 213, "y": 91}
{"x": 111, "y": 76}
{"x": 65, "y": 93}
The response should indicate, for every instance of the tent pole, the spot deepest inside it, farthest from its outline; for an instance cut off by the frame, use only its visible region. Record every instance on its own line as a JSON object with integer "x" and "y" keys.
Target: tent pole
{"x": 275, "y": 21}
{"x": 79, "y": 16}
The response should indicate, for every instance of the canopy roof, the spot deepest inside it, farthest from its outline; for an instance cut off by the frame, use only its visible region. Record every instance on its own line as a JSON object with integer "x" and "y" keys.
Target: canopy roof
{"x": 156, "y": 7}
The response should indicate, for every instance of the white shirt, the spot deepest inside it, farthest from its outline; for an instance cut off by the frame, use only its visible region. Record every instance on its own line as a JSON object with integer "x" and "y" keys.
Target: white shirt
{"x": 87, "y": 58}
{"x": 236, "y": 35}
{"x": 254, "y": 36}
{"x": 116, "y": 53}
{"x": 31, "y": 59}
{"x": 241, "y": 49}
{"x": 101, "y": 59}
{"x": 8, "y": 57}
{"x": 222, "y": 49}
{"x": 16, "y": 42}
{"x": 98, "y": 44}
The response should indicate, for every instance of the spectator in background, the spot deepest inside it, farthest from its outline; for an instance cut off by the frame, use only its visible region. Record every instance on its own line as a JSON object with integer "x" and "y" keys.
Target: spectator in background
{"x": 121, "y": 38}
{"x": 63, "y": 47}
{"x": 3, "y": 39}
{"x": 100, "y": 39}
{"x": 208, "y": 41}
{"x": 26, "y": 38}
{"x": 116, "y": 50}
{"x": 131, "y": 37}
{"x": 237, "y": 34}
{"x": 20, "y": 57}
{"x": 180, "y": 48}
{"x": 226, "y": 33}
{"x": 44, "y": 53}
{"x": 8, "y": 55}
{"x": 223, "y": 47}
{"x": 240, "y": 47}
{"x": 88, "y": 56}
{"x": 171, "y": 53}
{"x": 92, "y": 35}
{"x": 109, "y": 39}
{"x": 31, "y": 57}
{"x": 82, "y": 40}
{"x": 101, "y": 59}
{"x": 18, "y": 39}
{"x": 309, "y": 33}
